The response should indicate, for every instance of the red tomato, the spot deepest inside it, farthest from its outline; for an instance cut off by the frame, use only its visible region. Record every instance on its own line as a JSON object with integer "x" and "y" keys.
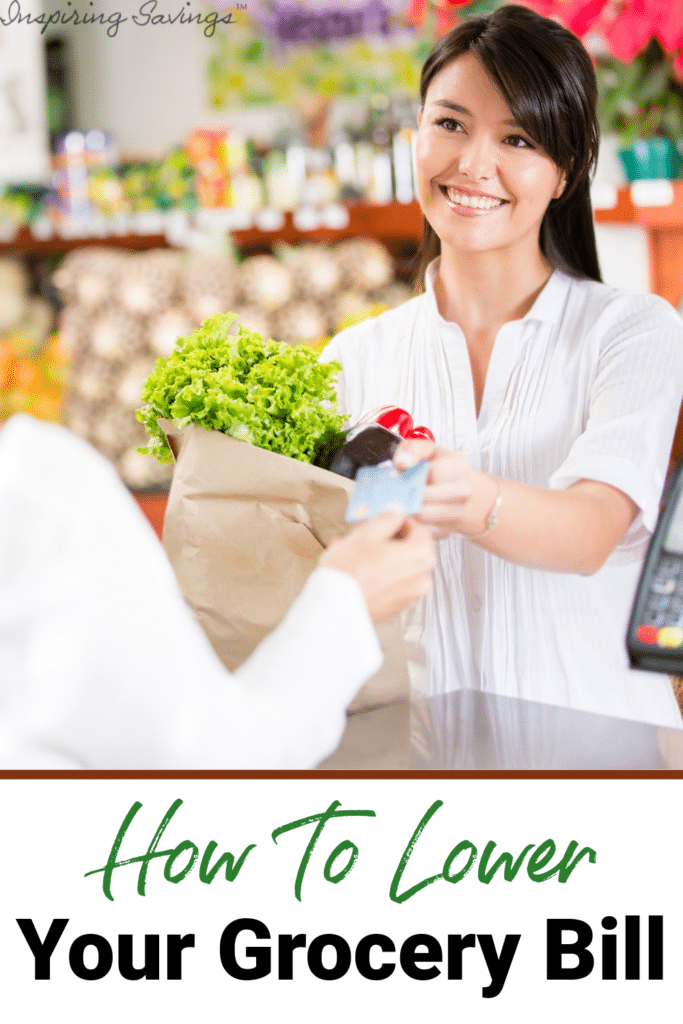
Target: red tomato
{"x": 391, "y": 418}
{"x": 420, "y": 434}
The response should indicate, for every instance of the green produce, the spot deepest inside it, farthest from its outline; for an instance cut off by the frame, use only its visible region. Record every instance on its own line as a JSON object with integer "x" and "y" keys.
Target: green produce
{"x": 263, "y": 392}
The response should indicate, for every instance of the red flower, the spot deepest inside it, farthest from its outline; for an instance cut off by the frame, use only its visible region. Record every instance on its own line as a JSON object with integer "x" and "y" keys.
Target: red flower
{"x": 667, "y": 21}
{"x": 631, "y": 29}
{"x": 581, "y": 15}
{"x": 627, "y": 25}
{"x": 578, "y": 15}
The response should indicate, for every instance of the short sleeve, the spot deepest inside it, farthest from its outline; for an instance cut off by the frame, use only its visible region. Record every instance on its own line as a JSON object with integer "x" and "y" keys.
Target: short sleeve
{"x": 633, "y": 409}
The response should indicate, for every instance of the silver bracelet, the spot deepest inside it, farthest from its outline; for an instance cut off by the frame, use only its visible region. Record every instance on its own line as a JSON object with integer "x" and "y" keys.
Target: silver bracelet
{"x": 492, "y": 518}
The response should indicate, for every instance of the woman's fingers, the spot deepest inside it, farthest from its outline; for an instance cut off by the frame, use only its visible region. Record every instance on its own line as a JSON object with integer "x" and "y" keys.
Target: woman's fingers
{"x": 449, "y": 486}
{"x": 446, "y": 466}
{"x": 409, "y": 453}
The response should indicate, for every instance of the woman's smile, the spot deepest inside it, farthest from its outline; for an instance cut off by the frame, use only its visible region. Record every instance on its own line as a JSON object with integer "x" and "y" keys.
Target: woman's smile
{"x": 470, "y": 204}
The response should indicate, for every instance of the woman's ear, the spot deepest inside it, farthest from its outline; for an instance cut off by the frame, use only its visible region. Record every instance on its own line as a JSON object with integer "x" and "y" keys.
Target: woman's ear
{"x": 419, "y": 116}
{"x": 561, "y": 185}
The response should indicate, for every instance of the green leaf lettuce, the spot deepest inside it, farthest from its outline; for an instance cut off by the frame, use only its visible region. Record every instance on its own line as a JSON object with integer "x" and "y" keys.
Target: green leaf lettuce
{"x": 263, "y": 392}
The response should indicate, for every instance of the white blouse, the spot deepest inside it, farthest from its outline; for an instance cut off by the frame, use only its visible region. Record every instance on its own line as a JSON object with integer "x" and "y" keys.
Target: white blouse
{"x": 587, "y": 385}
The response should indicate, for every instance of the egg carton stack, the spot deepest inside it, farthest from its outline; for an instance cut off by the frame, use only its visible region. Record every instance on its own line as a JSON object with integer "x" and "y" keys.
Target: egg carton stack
{"x": 122, "y": 311}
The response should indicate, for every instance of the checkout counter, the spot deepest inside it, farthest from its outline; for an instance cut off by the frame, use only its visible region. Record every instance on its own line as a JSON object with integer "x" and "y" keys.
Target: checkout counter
{"x": 468, "y": 730}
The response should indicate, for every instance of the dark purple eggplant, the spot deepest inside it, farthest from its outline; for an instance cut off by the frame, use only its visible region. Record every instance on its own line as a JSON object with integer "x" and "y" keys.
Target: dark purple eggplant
{"x": 366, "y": 444}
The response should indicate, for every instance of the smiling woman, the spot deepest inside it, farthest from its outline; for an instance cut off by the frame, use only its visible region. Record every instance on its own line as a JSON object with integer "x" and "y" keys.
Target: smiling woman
{"x": 483, "y": 183}
{"x": 553, "y": 397}
{"x": 531, "y": 91}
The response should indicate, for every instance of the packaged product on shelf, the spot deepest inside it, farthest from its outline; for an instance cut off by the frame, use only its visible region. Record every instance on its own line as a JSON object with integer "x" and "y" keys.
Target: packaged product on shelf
{"x": 71, "y": 175}
{"x": 246, "y": 191}
{"x": 365, "y": 168}
{"x": 382, "y": 187}
{"x": 21, "y": 205}
{"x": 402, "y": 152}
{"x": 176, "y": 181}
{"x": 282, "y": 192}
{"x": 106, "y": 192}
{"x": 223, "y": 177}
{"x": 321, "y": 185}
{"x": 345, "y": 170}
{"x": 205, "y": 151}
{"x": 76, "y": 156}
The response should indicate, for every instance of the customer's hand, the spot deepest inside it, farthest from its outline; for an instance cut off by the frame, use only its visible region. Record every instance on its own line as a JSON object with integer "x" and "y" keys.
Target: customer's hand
{"x": 458, "y": 498}
{"x": 391, "y": 558}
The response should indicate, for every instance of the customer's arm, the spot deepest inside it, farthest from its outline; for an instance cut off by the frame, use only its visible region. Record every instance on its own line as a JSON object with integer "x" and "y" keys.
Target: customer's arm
{"x": 102, "y": 665}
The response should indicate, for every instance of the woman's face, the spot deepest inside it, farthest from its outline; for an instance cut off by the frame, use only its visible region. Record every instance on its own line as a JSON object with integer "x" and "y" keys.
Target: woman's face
{"x": 482, "y": 182}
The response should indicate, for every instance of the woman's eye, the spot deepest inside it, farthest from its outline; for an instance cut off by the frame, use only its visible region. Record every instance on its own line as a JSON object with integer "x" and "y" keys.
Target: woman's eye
{"x": 449, "y": 124}
{"x": 519, "y": 142}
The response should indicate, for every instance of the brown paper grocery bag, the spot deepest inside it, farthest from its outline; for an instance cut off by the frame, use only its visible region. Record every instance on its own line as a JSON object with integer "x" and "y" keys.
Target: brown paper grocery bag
{"x": 244, "y": 529}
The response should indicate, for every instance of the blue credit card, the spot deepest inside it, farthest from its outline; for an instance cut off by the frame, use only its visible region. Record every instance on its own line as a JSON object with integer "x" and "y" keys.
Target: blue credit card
{"x": 384, "y": 488}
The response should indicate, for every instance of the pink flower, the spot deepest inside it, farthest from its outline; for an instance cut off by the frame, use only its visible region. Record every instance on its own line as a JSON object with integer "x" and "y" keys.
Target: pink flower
{"x": 631, "y": 29}
{"x": 667, "y": 22}
{"x": 581, "y": 15}
{"x": 578, "y": 15}
{"x": 627, "y": 25}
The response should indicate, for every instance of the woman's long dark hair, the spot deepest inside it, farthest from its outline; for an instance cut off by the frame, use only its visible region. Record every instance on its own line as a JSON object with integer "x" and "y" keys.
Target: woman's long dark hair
{"x": 547, "y": 79}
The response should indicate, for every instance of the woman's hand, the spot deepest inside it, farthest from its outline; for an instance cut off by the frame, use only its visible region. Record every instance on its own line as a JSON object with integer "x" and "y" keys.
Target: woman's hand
{"x": 458, "y": 498}
{"x": 573, "y": 530}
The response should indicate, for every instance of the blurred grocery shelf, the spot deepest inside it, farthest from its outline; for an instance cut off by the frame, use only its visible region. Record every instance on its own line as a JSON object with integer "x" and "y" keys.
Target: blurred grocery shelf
{"x": 392, "y": 223}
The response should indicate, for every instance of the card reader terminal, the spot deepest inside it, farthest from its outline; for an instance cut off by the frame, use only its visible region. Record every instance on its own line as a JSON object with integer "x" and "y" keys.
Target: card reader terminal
{"x": 655, "y": 633}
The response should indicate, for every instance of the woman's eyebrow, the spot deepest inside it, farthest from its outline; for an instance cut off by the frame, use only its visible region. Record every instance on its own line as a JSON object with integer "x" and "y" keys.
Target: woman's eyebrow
{"x": 451, "y": 105}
